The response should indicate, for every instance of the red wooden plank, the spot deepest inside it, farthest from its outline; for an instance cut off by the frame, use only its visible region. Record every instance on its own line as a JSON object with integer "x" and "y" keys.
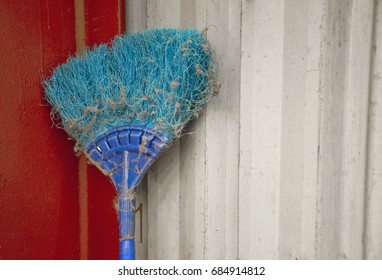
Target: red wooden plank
{"x": 38, "y": 169}
{"x": 103, "y": 20}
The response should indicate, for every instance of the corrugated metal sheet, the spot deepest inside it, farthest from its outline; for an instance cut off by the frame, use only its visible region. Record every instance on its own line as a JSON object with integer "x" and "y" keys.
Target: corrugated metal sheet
{"x": 286, "y": 162}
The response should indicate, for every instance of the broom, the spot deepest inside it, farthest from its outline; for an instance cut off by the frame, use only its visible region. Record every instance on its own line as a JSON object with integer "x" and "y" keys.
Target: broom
{"x": 124, "y": 104}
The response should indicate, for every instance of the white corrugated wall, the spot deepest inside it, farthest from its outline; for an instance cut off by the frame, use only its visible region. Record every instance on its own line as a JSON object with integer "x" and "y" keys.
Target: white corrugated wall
{"x": 286, "y": 162}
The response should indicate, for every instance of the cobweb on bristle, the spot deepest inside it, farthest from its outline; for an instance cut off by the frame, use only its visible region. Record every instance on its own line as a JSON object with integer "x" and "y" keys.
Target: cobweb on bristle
{"x": 158, "y": 79}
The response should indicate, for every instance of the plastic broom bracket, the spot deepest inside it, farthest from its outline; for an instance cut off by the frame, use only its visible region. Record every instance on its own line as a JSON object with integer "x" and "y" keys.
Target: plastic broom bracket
{"x": 125, "y": 154}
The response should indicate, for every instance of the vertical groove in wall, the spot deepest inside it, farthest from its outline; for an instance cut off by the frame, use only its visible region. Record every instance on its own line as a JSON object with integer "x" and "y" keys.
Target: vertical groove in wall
{"x": 311, "y": 128}
{"x": 205, "y": 190}
{"x": 136, "y": 15}
{"x": 317, "y": 194}
{"x": 84, "y": 207}
{"x": 79, "y": 8}
{"x": 331, "y": 144}
{"x": 373, "y": 197}
{"x": 355, "y": 127}
{"x": 239, "y": 136}
{"x": 82, "y": 165}
{"x": 121, "y": 16}
{"x": 369, "y": 140}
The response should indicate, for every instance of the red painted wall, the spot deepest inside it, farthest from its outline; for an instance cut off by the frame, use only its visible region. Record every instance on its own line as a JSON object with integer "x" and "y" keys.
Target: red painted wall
{"x": 101, "y": 25}
{"x": 38, "y": 170}
{"x": 39, "y": 173}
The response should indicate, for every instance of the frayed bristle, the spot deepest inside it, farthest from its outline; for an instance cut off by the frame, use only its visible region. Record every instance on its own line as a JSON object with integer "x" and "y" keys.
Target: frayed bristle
{"x": 159, "y": 79}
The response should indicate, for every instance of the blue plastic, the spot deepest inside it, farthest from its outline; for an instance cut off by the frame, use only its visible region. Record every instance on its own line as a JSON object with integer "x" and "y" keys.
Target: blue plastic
{"x": 126, "y": 153}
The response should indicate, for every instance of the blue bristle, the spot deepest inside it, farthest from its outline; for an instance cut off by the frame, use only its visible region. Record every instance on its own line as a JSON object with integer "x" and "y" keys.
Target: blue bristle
{"x": 159, "y": 79}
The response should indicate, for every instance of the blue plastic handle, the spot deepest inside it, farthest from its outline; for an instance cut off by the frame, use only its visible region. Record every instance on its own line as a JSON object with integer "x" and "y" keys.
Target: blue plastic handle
{"x": 125, "y": 154}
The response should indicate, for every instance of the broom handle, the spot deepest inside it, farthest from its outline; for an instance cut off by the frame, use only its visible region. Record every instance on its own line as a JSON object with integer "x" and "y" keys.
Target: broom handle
{"x": 126, "y": 228}
{"x": 126, "y": 214}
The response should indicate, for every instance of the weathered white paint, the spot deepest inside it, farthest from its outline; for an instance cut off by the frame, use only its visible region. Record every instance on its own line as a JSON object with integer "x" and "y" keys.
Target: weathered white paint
{"x": 260, "y": 128}
{"x": 193, "y": 186}
{"x": 356, "y": 106}
{"x": 311, "y": 134}
{"x": 286, "y": 162}
{"x": 373, "y": 201}
{"x": 164, "y": 177}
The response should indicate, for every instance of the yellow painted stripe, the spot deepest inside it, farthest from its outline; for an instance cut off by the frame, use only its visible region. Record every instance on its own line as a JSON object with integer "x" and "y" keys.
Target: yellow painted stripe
{"x": 82, "y": 164}
{"x": 80, "y": 24}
